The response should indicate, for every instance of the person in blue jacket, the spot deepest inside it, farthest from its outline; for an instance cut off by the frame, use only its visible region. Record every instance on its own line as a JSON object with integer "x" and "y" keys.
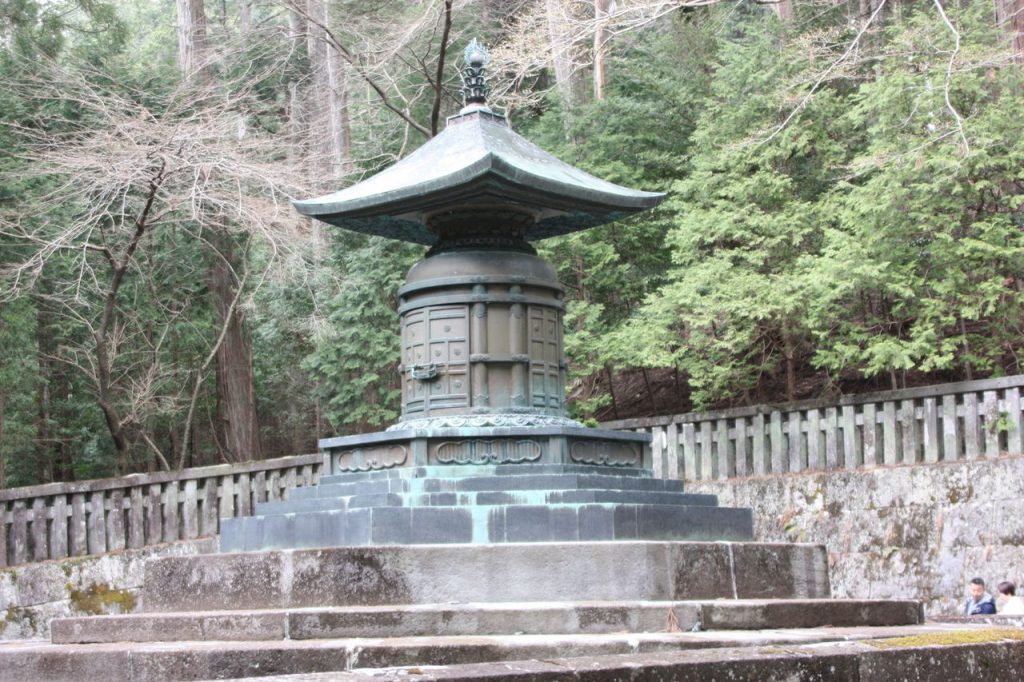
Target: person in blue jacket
{"x": 980, "y": 603}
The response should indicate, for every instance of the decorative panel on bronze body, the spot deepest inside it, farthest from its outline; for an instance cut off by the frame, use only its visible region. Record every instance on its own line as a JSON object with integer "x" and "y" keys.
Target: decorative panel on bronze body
{"x": 482, "y": 334}
{"x": 546, "y": 363}
{"x": 436, "y": 353}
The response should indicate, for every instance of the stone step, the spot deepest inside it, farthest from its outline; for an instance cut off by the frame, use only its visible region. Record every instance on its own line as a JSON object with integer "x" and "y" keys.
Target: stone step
{"x": 483, "y": 619}
{"x": 489, "y": 483}
{"x": 929, "y": 656}
{"x": 191, "y": 660}
{"x": 392, "y": 525}
{"x": 468, "y": 470}
{"x": 484, "y": 498}
{"x": 512, "y": 572}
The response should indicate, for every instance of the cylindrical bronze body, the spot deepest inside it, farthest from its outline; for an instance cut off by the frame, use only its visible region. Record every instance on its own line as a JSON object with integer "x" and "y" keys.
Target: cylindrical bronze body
{"x": 482, "y": 334}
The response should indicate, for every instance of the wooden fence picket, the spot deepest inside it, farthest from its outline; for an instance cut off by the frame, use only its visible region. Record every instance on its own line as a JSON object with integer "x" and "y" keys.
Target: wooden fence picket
{"x": 949, "y": 422}
{"x": 57, "y": 520}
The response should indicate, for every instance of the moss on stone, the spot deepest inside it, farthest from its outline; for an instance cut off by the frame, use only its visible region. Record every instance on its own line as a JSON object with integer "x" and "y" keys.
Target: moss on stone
{"x": 950, "y": 638}
{"x": 18, "y": 615}
{"x": 959, "y": 495}
{"x": 100, "y": 598}
{"x": 780, "y": 651}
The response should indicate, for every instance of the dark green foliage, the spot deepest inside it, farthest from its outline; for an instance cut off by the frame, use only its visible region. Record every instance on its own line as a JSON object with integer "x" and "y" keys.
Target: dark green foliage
{"x": 831, "y": 224}
{"x": 356, "y": 355}
{"x": 863, "y": 235}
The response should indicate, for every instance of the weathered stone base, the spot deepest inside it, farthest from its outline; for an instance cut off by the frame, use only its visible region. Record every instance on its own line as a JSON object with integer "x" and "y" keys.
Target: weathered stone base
{"x": 33, "y": 594}
{"x": 457, "y": 620}
{"x": 434, "y": 574}
{"x": 735, "y": 656}
{"x": 997, "y": 660}
{"x": 486, "y": 504}
{"x": 339, "y": 610}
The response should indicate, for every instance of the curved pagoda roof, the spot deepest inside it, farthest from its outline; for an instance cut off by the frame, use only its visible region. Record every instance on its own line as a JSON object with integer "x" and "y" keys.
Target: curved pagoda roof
{"x": 478, "y": 160}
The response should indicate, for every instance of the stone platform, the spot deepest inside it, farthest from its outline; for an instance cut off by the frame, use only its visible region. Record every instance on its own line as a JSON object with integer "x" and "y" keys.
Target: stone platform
{"x": 486, "y": 504}
{"x": 929, "y": 654}
{"x": 705, "y": 655}
{"x": 219, "y": 616}
{"x": 511, "y": 572}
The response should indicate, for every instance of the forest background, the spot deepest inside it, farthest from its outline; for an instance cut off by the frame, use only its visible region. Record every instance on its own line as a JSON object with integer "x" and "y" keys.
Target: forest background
{"x": 845, "y": 207}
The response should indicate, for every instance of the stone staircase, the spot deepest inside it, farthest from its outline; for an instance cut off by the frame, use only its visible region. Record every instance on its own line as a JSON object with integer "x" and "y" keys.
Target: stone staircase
{"x": 221, "y": 616}
{"x": 486, "y": 504}
{"x": 462, "y": 566}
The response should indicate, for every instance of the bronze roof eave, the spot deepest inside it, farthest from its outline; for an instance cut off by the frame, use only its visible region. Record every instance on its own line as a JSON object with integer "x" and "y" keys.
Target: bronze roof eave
{"x": 561, "y": 208}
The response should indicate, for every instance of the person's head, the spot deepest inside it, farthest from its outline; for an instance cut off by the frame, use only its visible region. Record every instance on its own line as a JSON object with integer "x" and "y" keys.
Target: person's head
{"x": 976, "y": 588}
{"x": 1007, "y": 588}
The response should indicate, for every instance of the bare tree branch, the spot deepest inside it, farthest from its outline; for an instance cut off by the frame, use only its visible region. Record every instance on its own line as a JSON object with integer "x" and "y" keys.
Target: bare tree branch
{"x": 346, "y": 54}
{"x": 435, "y": 110}
{"x": 825, "y": 74}
{"x": 965, "y": 146}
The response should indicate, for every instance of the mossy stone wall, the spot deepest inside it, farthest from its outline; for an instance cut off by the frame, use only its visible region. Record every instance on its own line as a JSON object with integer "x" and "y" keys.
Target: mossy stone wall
{"x": 919, "y": 531}
{"x": 32, "y": 594}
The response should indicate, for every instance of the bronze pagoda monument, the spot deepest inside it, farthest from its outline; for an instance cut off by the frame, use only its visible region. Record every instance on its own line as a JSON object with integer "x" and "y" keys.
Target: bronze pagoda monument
{"x": 484, "y": 450}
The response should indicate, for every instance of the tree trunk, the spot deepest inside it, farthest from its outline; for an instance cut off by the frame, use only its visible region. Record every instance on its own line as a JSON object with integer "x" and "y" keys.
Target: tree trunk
{"x": 191, "y": 22}
{"x": 327, "y": 104}
{"x": 789, "y": 350}
{"x": 650, "y": 391}
{"x": 44, "y": 348}
{"x": 601, "y": 38}
{"x": 236, "y": 395}
{"x": 245, "y": 16}
{"x": 784, "y": 10}
{"x": 64, "y": 460}
{"x": 611, "y": 390}
{"x": 236, "y": 399}
{"x": 298, "y": 136}
{"x": 560, "y": 39}
{"x": 3, "y": 456}
{"x": 968, "y": 370}
{"x": 340, "y": 125}
{"x": 1010, "y": 18}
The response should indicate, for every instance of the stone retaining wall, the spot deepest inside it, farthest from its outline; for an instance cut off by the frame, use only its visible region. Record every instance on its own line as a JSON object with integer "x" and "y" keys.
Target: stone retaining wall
{"x": 919, "y": 531}
{"x": 31, "y": 595}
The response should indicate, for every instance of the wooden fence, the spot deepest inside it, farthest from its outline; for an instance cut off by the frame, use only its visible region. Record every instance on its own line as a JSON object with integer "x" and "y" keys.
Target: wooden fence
{"x": 948, "y": 422}
{"x": 57, "y": 520}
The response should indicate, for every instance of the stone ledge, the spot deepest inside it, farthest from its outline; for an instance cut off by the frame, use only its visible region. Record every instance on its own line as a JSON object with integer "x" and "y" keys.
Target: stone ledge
{"x": 552, "y": 618}
{"x": 541, "y": 571}
{"x": 934, "y": 653}
{"x": 1001, "y": 660}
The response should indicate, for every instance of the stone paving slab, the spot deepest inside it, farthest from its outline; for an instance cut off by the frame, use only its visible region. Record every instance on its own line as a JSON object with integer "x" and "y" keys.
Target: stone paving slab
{"x": 482, "y": 619}
{"x": 997, "y": 659}
{"x": 43, "y": 662}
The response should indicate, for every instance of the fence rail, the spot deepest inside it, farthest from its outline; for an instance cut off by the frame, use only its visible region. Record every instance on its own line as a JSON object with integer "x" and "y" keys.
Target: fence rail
{"x": 58, "y": 520}
{"x": 948, "y": 422}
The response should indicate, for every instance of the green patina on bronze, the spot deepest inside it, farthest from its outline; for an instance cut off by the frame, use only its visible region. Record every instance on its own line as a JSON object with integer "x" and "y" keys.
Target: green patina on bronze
{"x": 480, "y": 166}
{"x": 482, "y": 341}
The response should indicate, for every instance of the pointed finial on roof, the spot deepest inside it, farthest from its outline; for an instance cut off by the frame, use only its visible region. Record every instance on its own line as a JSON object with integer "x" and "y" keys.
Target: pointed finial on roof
{"x": 475, "y": 88}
